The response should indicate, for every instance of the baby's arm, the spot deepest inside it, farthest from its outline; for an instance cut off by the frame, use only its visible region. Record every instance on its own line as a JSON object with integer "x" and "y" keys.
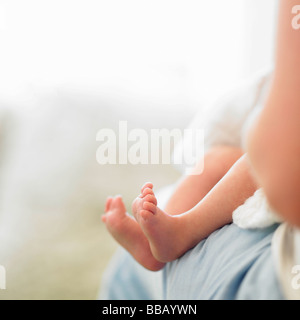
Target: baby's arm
{"x": 274, "y": 143}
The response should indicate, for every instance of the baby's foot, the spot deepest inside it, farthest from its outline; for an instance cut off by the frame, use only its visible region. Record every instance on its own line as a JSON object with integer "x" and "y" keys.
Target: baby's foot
{"x": 164, "y": 232}
{"x": 128, "y": 233}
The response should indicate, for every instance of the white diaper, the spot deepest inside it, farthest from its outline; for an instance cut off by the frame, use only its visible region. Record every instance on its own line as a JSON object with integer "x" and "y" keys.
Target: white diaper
{"x": 255, "y": 213}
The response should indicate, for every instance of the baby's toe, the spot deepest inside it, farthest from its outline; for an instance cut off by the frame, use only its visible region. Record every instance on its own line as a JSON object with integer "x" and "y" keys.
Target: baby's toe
{"x": 150, "y": 206}
{"x": 147, "y": 191}
{"x": 151, "y": 198}
{"x": 146, "y": 185}
{"x": 146, "y": 215}
{"x": 108, "y": 204}
{"x": 118, "y": 203}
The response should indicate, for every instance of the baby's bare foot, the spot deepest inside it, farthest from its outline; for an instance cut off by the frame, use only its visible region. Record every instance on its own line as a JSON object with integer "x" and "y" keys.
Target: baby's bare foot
{"x": 128, "y": 233}
{"x": 164, "y": 232}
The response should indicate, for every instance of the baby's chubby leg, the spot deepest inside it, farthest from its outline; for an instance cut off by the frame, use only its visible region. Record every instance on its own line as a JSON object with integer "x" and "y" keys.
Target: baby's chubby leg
{"x": 192, "y": 188}
{"x": 172, "y": 235}
{"x": 128, "y": 233}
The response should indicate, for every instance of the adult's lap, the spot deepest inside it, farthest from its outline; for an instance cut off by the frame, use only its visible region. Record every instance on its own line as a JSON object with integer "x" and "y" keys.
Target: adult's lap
{"x": 232, "y": 263}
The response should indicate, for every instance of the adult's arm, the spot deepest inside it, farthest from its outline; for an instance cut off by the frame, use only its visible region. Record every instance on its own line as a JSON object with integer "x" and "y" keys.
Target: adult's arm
{"x": 274, "y": 140}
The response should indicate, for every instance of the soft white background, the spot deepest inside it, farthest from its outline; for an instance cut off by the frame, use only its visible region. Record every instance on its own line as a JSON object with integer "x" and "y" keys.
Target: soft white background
{"x": 69, "y": 68}
{"x": 157, "y": 50}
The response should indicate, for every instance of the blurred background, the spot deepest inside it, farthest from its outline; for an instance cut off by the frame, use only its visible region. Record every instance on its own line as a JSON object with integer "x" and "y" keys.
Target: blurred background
{"x": 70, "y": 68}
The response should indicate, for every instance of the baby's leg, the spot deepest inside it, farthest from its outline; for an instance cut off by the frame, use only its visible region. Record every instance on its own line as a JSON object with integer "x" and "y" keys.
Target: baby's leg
{"x": 191, "y": 189}
{"x": 172, "y": 235}
{"x": 128, "y": 233}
